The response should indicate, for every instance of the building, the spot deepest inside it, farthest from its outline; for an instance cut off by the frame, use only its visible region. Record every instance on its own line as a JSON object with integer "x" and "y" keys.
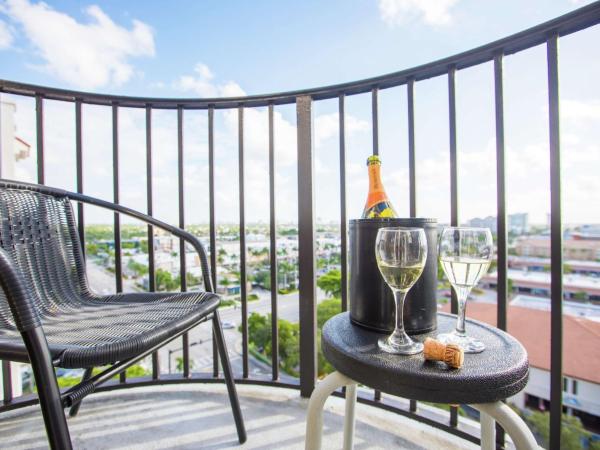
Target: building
{"x": 487, "y": 222}
{"x": 590, "y": 311}
{"x": 581, "y": 340}
{"x": 536, "y": 264}
{"x": 517, "y": 223}
{"x": 12, "y": 147}
{"x": 591, "y": 232}
{"x": 538, "y": 283}
{"x": 579, "y": 249}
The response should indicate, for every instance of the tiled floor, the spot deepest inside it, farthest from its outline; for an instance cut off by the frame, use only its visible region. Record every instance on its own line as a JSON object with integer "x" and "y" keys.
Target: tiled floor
{"x": 199, "y": 417}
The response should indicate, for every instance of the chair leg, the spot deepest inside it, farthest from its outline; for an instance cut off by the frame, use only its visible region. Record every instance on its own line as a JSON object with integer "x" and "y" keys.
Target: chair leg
{"x": 75, "y": 408}
{"x": 233, "y": 398}
{"x": 48, "y": 392}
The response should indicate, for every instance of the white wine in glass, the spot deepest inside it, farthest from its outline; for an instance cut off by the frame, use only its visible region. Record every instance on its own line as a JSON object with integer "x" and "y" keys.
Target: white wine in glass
{"x": 465, "y": 255}
{"x": 401, "y": 254}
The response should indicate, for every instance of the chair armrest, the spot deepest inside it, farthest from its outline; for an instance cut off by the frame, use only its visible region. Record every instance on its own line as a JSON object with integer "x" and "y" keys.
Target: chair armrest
{"x": 19, "y": 300}
{"x": 186, "y": 236}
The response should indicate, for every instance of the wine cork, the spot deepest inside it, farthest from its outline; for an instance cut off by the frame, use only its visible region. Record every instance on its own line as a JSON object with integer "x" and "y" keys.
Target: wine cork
{"x": 451, "y": 354}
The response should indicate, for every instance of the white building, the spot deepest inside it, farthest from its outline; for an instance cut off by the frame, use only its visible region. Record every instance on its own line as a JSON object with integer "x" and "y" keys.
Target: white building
{"x": 12, "y": 149}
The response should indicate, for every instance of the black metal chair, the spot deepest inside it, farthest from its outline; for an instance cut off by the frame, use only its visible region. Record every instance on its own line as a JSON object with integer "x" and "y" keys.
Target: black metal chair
{"x": 50, "y": 318}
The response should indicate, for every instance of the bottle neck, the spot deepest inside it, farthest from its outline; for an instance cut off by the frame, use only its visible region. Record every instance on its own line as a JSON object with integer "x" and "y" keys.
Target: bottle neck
{"x": 375, "y": 184}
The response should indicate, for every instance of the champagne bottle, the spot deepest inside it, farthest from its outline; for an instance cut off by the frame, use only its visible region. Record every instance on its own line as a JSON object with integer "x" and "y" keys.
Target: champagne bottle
{"x": 378, "y": 204}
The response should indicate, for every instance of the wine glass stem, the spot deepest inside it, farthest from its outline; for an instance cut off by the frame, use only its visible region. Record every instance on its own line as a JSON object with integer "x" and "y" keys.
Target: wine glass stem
{"x": 399, "y": 297}
{"x": 461, "y": 298}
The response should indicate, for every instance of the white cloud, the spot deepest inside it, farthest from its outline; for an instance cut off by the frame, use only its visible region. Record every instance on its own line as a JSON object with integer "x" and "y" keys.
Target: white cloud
{"x": 327, "y": 126}
{"x": 87, "y": 55}
{"x": 6, "y": 37}
{"x": 580, "y": 110}
{"x": 201, "y": 83}
{"x": 431, "y": 12}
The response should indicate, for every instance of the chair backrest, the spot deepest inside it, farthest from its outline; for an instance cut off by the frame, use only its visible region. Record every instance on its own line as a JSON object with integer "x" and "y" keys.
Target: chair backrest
{"x": 38, "y": 232}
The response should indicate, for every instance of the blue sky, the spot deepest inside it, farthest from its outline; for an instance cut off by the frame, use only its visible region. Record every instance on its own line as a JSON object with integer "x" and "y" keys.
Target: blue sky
{"x": 208, "y": 48}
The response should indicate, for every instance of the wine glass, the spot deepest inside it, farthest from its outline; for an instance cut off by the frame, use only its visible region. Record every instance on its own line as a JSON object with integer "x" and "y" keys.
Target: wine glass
{"x": 465, "y": 255}
{"x": 401, "y": 254}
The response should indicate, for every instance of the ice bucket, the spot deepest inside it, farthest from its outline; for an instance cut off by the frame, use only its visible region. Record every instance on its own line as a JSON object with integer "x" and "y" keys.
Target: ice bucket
{"x": 371, "y": 300}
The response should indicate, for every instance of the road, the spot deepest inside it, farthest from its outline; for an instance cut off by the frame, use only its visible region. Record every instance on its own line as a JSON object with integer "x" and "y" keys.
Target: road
{"x": 201, "y": 343}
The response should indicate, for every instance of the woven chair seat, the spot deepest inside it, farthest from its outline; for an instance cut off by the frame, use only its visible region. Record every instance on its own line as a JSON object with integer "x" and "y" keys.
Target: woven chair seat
{"x": 101, "y": 330}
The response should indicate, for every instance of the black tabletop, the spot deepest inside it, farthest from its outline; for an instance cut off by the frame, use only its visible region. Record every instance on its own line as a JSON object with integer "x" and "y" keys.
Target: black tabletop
{"x": 500, "y": 371}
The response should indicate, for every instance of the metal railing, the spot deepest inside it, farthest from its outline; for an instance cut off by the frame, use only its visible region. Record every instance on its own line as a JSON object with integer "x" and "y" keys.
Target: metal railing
{"x": 547, "y": 34}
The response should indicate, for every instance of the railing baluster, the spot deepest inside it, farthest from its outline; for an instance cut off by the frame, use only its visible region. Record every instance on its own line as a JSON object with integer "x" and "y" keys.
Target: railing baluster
{"x": 181, "y": 209}
{"x": 343, "y": 212}
{"x": 453, "y": 189}
{"x": 243, "y": 278}
{"x": 39, "y": 127}
{"x": 375, "y": 119}
{"x": 79, "y": 174}
{"x": 556, "y": 261}
{"x": 117, "y": 219}
{"x": 502, "y": 237}
{"x": 306, "y": 247}
{"x": 502, "y": 293}
{"x": 149, "y": 208}
{"x": 412, "y": 165}
{"x": 212, "y": 226}
{"x": 7, "y": 390}
{"x": 375, "y": 124}
{"x": 273, "y": 250}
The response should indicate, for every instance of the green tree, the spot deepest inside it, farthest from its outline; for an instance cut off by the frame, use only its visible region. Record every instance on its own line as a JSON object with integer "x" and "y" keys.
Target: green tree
{"x": 572, "y": 432}
{"x": 179, "y": 364}
{"x": 327, "y": 309}
{"x": 165, "y": 281}
{"x": 138, "y": 268}
{"x": 331, "y": 283}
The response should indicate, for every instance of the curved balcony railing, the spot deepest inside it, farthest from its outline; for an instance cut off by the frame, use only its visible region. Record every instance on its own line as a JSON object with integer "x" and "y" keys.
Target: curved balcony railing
{"x": 547, "y": 34}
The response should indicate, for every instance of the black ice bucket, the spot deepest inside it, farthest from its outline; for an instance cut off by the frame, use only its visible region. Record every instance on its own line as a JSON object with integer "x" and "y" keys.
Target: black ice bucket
{"x": 371, "y": 300}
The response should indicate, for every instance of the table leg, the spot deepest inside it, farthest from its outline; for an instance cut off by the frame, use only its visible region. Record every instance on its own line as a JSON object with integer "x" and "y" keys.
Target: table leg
{"x": 488, "y": 431}
{"x": 314, "y": 414}
{"x": 511, "y": 422}
{"x": 349, "y": 417}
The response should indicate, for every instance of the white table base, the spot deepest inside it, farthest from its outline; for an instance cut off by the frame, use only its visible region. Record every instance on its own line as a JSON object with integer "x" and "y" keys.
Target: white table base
{"x": 490, "y": 413}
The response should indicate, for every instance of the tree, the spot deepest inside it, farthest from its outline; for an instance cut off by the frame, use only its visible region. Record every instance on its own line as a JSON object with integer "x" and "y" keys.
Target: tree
{"x": 138, "y": 268}
{"x": 327, "y": 309}
{"x": 165, "y": 281}
{"x": 572, "y": 431}
{"x": 179, "y": 364}
{"x": 331, "y": 283}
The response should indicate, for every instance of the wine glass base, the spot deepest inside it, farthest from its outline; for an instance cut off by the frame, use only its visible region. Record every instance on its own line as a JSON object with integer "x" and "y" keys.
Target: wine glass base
{"x": 408, "y": 348}
{"x": 468, "y": 344}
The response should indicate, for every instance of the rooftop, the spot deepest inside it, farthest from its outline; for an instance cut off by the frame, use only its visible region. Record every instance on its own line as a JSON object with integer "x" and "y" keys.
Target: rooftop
{"x": 581, "y": 338}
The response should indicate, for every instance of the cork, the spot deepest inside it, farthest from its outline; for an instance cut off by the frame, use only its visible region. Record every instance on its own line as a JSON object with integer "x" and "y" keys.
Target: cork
{"x": 451, "y": 354}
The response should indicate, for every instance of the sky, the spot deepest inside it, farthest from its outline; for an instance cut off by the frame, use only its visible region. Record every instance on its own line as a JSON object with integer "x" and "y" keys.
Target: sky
{"x": 216, "y": 48}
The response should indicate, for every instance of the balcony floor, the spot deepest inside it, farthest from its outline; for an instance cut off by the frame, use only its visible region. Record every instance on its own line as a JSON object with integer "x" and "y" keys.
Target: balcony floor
{"x": 198, "y": 416}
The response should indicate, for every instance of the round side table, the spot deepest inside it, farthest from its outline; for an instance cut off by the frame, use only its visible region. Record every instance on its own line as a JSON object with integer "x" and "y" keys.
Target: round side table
{"x": 485, "y": 379}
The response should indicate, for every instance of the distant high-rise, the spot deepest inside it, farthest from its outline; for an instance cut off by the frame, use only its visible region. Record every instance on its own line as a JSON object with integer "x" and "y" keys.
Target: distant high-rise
{"x": 518, "y": 223}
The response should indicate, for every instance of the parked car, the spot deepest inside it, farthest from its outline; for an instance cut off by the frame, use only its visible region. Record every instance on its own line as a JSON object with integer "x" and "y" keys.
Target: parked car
{"x": 228, "y": 325}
